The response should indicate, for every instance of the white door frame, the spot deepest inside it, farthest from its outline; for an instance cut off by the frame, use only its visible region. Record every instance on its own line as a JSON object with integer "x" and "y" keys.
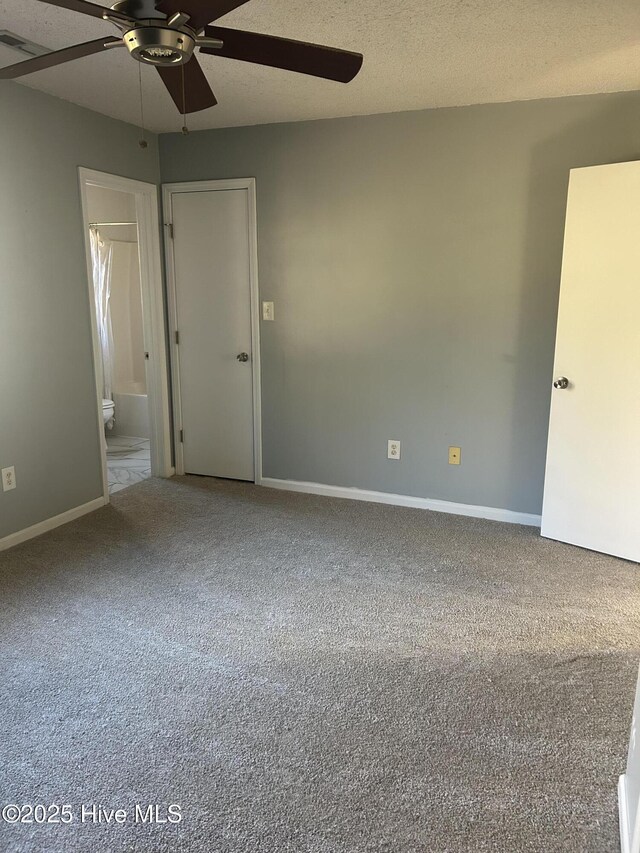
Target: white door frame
{"x": 168, "y": 190}
{"x": 153, "y": 311}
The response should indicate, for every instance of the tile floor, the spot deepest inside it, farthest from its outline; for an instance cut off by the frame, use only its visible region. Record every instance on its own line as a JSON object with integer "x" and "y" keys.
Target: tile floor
{"x": 128, "y": 461}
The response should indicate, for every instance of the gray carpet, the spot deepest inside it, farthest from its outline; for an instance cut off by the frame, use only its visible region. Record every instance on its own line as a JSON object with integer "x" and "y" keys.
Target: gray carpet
{"x": 313, "y": 675}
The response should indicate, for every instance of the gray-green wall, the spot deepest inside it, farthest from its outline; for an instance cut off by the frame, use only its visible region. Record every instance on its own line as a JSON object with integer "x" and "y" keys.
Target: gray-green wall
{"x": 47, "y": 399}
{"x": 414, "y": 260}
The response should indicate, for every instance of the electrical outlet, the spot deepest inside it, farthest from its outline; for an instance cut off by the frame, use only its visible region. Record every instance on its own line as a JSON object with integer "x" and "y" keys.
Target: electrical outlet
{"x": 8, "y": 479}
{"x": 455, "y": 455}
{"x": 268, "y": 312}
{"x": 393, "y": 449}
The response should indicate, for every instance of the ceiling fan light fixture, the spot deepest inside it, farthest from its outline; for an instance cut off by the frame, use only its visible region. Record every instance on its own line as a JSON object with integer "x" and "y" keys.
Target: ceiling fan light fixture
{"x": 160, "y": 45}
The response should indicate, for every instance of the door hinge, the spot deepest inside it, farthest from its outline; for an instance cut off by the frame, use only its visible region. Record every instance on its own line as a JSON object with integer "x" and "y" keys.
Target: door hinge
{"x": 170, "y": 227}
{"x": 177, "y": 337}
{"x": 181, "y": 436}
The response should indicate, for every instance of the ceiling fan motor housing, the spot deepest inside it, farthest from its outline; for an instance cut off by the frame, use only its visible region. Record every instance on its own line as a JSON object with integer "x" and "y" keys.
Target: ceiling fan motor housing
{"x": 156, "y": 45}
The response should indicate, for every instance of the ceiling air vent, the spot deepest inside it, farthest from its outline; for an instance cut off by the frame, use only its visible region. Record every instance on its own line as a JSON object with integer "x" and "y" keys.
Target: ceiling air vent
{"x": 27, "y": 48}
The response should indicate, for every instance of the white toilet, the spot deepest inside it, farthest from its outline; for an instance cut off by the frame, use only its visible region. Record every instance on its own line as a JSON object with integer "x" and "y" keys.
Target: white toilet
{"x": 108, "y": 412}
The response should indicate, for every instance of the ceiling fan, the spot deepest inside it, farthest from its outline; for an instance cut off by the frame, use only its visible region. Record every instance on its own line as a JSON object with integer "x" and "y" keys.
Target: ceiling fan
{"x": 165, "y": 33}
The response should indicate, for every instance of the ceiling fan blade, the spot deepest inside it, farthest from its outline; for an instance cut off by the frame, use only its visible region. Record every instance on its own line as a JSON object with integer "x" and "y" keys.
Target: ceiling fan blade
{"x": 57, "y": 57}
{"x": 79, "y": 6}
{"x": 197, "y": 91}
{"x": 313, "y": 59}
{"x": 202, "y": 12}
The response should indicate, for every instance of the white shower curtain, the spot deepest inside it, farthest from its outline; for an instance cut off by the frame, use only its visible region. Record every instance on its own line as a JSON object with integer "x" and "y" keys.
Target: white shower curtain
{"x": 101, "y": 255}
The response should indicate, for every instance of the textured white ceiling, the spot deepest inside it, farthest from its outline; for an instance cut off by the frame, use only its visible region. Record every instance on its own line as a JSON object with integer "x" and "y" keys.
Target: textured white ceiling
{"x": 418, "y": 54}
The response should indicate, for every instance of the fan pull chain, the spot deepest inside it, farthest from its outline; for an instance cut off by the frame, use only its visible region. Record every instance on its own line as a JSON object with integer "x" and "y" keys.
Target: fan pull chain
{"x": 143, "y": 142}
{"x": 185, "y": 129}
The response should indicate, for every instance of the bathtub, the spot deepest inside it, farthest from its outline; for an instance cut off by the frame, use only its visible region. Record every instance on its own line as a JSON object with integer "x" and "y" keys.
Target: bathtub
{"x": 132, "y": 411}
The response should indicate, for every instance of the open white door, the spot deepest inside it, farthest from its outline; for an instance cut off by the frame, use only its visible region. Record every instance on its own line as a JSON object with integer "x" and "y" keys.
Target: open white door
{"x": 592, "y": 485}
{"x": 629, "y": 787}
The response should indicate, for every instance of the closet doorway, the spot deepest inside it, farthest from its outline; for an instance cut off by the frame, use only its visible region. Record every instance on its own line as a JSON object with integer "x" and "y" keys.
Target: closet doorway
{"x": 214, "y": 320}
{"x": 127, "y": 318}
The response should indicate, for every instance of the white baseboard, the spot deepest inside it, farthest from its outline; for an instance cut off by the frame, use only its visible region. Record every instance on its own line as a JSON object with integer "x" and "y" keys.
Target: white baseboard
{"x": 492, "y": 513}
{"x": 50, "y": 524}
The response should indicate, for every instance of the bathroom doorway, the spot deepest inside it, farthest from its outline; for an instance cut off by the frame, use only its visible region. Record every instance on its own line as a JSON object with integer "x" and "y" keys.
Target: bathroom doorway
{"x": 127, "y": 312}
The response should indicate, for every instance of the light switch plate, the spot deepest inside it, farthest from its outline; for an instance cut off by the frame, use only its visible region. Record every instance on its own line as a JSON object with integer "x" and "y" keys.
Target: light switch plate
{"x": 268, "y": 312}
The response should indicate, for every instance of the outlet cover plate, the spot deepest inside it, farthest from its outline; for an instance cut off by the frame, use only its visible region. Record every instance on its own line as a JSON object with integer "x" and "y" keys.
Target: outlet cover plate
{"x": 8, "y": 479}
{"x": 393, "y": 449}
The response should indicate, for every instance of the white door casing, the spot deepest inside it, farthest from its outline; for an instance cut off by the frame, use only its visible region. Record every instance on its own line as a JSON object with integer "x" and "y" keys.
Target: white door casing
{"x": 153, "y": 307}
{"x": 213, "y": 298}
{"x": 592, "y": 484}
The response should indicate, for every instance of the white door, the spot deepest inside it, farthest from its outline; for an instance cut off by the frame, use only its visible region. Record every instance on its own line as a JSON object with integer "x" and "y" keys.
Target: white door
{"x": 592, "y": 486}
{"x": 212, "y": 278}
{"x": 629, "y": 787}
